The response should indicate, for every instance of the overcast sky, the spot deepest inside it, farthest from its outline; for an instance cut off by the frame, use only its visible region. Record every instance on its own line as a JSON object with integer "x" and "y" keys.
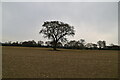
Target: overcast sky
{"x": 92, "y": 21}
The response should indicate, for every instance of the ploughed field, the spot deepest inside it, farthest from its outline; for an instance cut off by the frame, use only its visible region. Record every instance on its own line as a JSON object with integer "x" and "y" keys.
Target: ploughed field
{"x": 29, "y": 62}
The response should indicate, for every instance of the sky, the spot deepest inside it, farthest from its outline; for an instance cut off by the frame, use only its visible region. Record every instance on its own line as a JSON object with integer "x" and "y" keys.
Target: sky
{"x": 60, "y": 0}
{"x": 93, "y": 21}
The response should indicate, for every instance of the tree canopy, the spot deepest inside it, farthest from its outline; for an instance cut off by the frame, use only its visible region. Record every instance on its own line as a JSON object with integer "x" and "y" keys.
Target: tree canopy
{"x": 56, "y": 31}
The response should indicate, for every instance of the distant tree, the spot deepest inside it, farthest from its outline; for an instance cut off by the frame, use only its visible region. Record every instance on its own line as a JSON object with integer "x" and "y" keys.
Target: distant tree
{"x": 56, "y": 31}
{"x": 66, "y": 45}
{"x": 48, "y": 43}
{"x": 59, "y": 44}
{"x": 101, "y": 44}
{"x": 104, "y": 44}
{"x": 9, "y": 42}
{"x": 29, "y": 43}
{"x": 33, "y": 42}
{"x": 40, "y": 43}
{"x": 111, "y": 44}
{"x": 89, "y": 45}
{"x": 72, "y": 43}
{"x": 82, "y": 43}
{"x": 15, "y": 43}
{"x": 94, "y": 46}
{"x": 75, "y": 44}
{"x": 20, "y": 43}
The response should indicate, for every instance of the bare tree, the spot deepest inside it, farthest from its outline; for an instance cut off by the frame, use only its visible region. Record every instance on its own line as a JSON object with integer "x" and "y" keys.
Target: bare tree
{"x": 101, "y": 44}
{"x": 48, "y": 43}
{"x": 82, "y": 43}
{"x": 89, "y": 45}
{"x": 104, "y": 44}
{"x": 40, "y": 43}
{"x": 94, "y": 46}
{"x": 56, "y": 31}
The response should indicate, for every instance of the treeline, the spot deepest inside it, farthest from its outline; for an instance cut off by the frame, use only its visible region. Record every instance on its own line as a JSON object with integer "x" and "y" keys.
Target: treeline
{"x": 73, "y": 44}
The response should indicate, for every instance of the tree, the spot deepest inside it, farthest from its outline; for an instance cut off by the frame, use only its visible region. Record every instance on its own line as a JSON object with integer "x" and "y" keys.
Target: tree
{"x": 111, "y": 44}
{"x": 40, "y": 43}
{"x": 89, "y": 45}
{"x": 101, "y": 44}
{"x": 104, "y": 44}
{"x": 95, "y": 46}
{"x": 56, "y": 31}
{"x": 75, "y": 44}
{"x": 82, "y": 43}
{"x": 15, "y": 43}
{"x": 29, "y": 43}
{"x": 72, "y": 44}
{"x": 59, "y": 44}
{"x": 48, "y": 43}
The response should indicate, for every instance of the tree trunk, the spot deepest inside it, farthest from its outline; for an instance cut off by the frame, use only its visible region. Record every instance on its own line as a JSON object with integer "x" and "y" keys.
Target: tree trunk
{"x": 54, "y": 49}
{"x": 55, "y": 46}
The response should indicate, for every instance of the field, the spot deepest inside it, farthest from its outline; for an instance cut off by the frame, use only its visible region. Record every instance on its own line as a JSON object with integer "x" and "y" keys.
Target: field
{"x": 28, "y": 62}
